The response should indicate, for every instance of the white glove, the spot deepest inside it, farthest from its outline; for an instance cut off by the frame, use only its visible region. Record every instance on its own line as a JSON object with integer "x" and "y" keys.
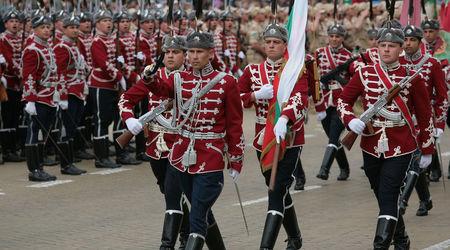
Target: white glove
{"x": 239, "y": 73}
{"x": 30, "y": 108}
{"x": 227, "y": 53}
{"x": 438, "y": 133}
{"x": 2, "y": 59}
{"x": 133, "y": 125}
{"x": 321, "y": 115}
{"x": 4, "y": 82}
{"x": 147, "y": 70}
{"x": 64, "y": 105}
{"x": 234, "y": 174}
{"x": 140, "y": 56}
{"x": 265, "y": 92}
{"x": 123, "y": 84}
{"x": 280, "y": 129}
{"x": 356, "y": 125}
{"x": 241, "y": 55}
{"x": 120, "y": 59}
{"x": 425, "y": 161}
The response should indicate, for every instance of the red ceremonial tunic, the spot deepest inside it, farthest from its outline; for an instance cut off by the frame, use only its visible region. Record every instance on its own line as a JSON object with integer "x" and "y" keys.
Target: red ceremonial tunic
{"x": 11, "y": 49}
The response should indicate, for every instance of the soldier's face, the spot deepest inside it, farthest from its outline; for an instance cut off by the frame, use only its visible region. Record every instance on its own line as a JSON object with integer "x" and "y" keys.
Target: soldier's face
{"x": 430, "y": 35}
{"x": 213, "y": 23}
{"x": 274, "y": 48}
{"x": 12, "y": 25}
{"x": 85, "y": 27}
{"x": 335, "y": 41}
{"x": 174, "y": 58}
{"x": 199, "y": 58}
{"x": 389, "y": 51}
{"x": 43, "y": 31}
{"x": 104, "y": 25}
{"x": 228, "y": 24}
{"x": 372, "y": 42}
{"x": 148, "y": 26}
{"x": 411, "y": 45}
{"x": 71, "y": 31}
{"x": 124, "y": 25}
{"x": 59, "y": 25}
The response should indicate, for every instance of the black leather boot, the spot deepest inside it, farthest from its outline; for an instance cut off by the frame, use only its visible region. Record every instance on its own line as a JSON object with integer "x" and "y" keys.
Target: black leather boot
{"x": 290, "y": 224}
{"x": 424, "y": 195}
{"x": 300, "y": 177}
{"x": 9, "y": 147}
{"x": 271, "y": 229}
{"x": 195, "y": 242}
{"x": 72, "y": 155}
{"x": 171, "y": 227}
{"x": 79, "y": 147}
{"x": 37, "y": 173}
{"x": 401, "y": 238}
{"x": 342, "y": 161}
{"x": 122, "y": 155}
{"x": 384, "y": 233}
{"x": 328, "y": 158}
{"x": 435, "y": 169}
{"x": 214, "y": 238}
{"x": 101, "y": 151}
{"x": 410, "y": 183}
{"x": 22, "y": 134}
{"x": 44, "y": 158}
{"x": 424, "y": 207}
{"x": 184, "y": 230}
{"x": 66, "y": 157}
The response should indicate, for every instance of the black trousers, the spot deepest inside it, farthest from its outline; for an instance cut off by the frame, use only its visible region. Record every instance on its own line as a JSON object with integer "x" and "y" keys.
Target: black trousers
{"x": 71, "y": 117}
{"x": 386, "y": 178}
{"x": 105, "y": 111}
{"x": 169, "y": 182}
{"x": 44, "y": 120}
{"x": 11, "y": 111}
{"x": 280, "y": 198}
{"x": 333, "y": 126}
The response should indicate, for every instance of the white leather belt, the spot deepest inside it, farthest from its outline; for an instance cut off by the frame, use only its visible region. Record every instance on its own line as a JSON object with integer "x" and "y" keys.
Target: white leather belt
{"x": 201, "y": 135}
{"x": 388, "y": 124}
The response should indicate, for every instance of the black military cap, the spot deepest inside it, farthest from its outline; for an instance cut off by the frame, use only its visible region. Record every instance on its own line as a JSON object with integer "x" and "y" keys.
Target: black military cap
{"x": 121, "y": 15}
{"x": 146, "y": 16}
{"x": 39, "y": 20}
{"x": 102, "y": 14}
{"x": 174, "y": 42}
{"x": 211, "y": 15}
{"x": 372, "y": 33}
{"x": 71, "y": 20}
{"x": 276, "y": 31}
{"x": 85, "y": 16}
{"x": 59, "y": 15}
{"x": 390, "y": 34}
{"x": 201, "y": 40}
{"x": 336, "y": 29}
{"x": 10, "y": 13}
{"x": 226, "y": 14}
{"x": 179, "y": 14}
{"x": 413, "y": 31}
{"x": 428, "y": 24}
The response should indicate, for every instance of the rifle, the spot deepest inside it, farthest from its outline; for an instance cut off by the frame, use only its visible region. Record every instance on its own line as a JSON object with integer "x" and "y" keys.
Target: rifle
{"x": 386, "y": 98}
{"x": 137, "y": 47}
{"x": 226, "y": 59}
{"x": 334, "y": 74}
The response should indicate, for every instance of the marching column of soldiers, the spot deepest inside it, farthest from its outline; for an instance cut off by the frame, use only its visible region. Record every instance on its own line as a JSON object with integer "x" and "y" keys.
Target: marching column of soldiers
{"x": 180, "y": 88}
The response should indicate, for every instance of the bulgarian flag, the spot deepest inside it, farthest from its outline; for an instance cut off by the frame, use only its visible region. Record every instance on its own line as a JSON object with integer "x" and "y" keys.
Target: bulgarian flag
{"x": 285, "y": 79}
{"x": 443, "y": 52}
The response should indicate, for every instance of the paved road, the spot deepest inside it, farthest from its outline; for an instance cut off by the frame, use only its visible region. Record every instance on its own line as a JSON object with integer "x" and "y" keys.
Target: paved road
{"x": 123, "y": 209}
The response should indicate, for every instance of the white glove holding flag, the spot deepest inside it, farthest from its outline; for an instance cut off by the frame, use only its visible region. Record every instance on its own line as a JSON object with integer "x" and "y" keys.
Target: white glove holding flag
{"x": 140, "y": 56}
{"x": 64, "y": 105}
{"x": 321, "y": 115}
{"x": 357, "y": 126}
{"x": 241, "y": 55}
{"x": 234, "y": 174}
{"x": 133, "y": 125}
{"x": 425, "y": 161}
{"x": 265, "y": 92}
{"x": 280, "y": 128}
{"x": 123, "y": 83}
{"x": 30, "y": 108}
{"x": 120, "y": 59}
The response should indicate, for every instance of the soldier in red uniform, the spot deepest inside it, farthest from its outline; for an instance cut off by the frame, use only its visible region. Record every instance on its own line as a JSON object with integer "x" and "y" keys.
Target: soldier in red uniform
{"x": 388, "y": 151}
{"x": 11, "y": 51}
{"x": 210, "y": 134}
{"x": 435, "y": 82}
{"x": 227, "y": 45}
{"x": 125, "y": 45}
{"x": 58, "y": 18}
{"x": 105, "y": 81}
{"x": 159, "y": 141}
{"x": 328, "y": 58}
{"x": 256, "y": 90}
{"x": 40, "y": 82}
{"x": 82, "y": 139}
{"x": 211, "y": 21}
{"x": 370, "y": 56}
{"x": 72, "y": 73}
